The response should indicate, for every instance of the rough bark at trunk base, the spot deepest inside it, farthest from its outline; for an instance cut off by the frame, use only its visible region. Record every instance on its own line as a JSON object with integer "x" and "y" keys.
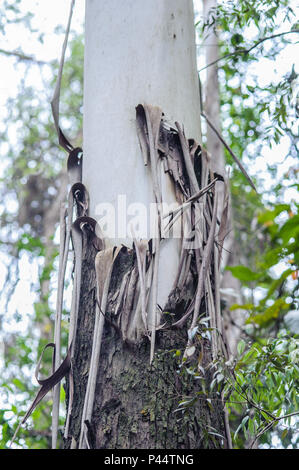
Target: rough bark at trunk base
{"x": 135, "y": 402}
{"x": 128, "y": 381}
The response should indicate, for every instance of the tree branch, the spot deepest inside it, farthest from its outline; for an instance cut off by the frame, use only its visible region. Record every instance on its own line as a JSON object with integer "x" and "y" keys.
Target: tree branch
{"x": 268, "y": 426}
{"x": 247, "y": 51}
{"x": 23, "y": 57}
{"x": 229, "y": 150}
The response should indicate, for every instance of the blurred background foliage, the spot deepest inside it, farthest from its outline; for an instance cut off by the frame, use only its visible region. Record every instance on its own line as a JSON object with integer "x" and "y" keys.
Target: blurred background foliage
{"x": 260, "y": 385}
{"x": 259, "y": 112}
{"x": 32, "y": 185}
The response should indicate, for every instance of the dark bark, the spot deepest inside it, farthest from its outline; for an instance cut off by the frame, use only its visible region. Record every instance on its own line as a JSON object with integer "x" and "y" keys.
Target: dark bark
{"x": 135, "y": 402}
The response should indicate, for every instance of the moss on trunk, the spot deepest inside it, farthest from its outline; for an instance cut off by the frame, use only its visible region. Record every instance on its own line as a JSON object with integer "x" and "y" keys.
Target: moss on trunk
{"x": 136, "y": 403}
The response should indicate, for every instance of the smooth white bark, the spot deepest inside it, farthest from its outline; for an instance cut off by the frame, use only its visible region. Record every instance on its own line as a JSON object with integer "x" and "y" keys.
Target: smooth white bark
{"x": 136, "y": 52}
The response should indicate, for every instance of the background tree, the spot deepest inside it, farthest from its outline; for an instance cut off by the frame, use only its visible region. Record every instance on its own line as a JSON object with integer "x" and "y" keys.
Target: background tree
{"x": 212, "y": 109}
{"x": 33, "y": 181}
{"x": 130, "y": 398}
{"x": 258, "y": 115}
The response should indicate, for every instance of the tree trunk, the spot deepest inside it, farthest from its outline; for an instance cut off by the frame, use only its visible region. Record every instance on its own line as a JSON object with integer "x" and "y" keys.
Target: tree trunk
{"x": 131, "y": 365}
{"x": 229, "y": 284}
{"x": 135, "y": 401}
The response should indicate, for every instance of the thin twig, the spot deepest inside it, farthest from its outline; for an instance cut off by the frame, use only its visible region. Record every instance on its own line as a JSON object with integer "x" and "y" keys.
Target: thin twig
{"x": 244, "y": 395}
{"x": 230, "y": 151}
{"x": 24, "y": 57}
{"x": 247, "y": 51}
{"x": 271, "y": 424}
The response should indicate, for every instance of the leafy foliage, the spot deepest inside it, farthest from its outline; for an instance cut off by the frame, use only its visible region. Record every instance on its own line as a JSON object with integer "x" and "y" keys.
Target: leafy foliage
{"x": 256, "y": 112}
{"x": 31, "y": 178}
{"x": 261, "y": 391}
{"x": 257, "y": 115}
{"x": 260, "y": 385}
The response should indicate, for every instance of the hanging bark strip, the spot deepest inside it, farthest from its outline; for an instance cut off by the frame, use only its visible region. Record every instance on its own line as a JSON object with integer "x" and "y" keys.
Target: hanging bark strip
{"x": 46, "y": 384}
{"x": 74, "y": 170}
{"x": 174, "y": 147}
{"x": 63, "y": 141}
{"x": 57, "y": 328}
{"x": 104, "y": 264}
{"x": 78, "y": 197}
{"x": 166, "y": 145}
{"x": 136, "y": 313}
{"x": 79, "y": 224}
{"x": 70, "y": 231}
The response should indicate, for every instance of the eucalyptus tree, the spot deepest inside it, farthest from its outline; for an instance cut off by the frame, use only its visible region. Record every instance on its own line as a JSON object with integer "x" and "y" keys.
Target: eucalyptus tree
{"x": 157, "y": 379}
{"x": 259, "y": 112}
{"x": 140, "y": 344}
{"x": 33, "y": 181}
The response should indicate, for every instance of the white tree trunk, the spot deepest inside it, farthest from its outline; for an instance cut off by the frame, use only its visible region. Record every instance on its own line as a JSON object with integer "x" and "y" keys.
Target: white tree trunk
{"x": 136, "y": 52}
{"x": 141, "y": 53}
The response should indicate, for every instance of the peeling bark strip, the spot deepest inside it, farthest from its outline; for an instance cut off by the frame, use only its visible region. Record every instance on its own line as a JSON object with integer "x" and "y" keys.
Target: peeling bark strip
{"x": 63, "y": 141}
{"x": 124, "y": 281}
{"x": 178, "y": 155}
{"x": 123, "y": 386}
{"x": 74, "y": 166}
{"x": 46, "y": 384}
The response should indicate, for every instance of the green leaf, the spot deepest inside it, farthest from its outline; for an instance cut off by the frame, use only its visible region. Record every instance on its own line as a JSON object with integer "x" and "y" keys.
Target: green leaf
{"x": 284, "y": 433}
{"x": 242, "y": 307}
{"x": 241, "y": 347}
{"x": 276, "y": 283}
{"x": 270, "y": 215}
{"x": 244, "y": 274}
{"x": 241, "y": 426}
{"x": 270, "y": 314}
{"x": 290, "y": 229}
{"x": 19, "y": 384}
{"x": 236, "y": 39}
